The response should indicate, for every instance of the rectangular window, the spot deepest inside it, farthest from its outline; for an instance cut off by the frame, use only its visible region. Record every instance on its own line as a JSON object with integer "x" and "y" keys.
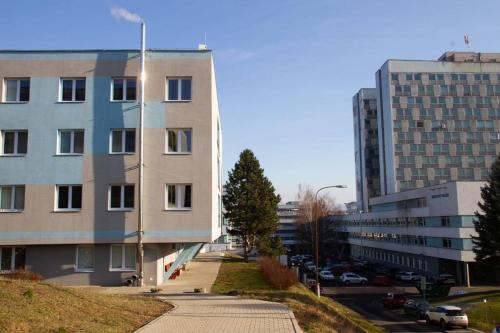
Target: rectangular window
{"x": 12, "y": 198}
{"x": 72, "y": 90}
{"x": 123, "y": 89}
{"x": 70, "y": 142}
{"x": 179, "y": 140}
{"x": 445, "y": 221}
{"x": 122, "y": 257}
{"x": 179, "y": 196}
{"x": 122, "y": 141}
{"x": 85, "y": 258}
{"x": 179, "y": 89}
{"x": 121, "y": 197}
{"x": 68, "y": 197}
{"x": 12, "y": 258}
{"x": 446, "y": 243}
{"x": 16, "y": 90}
{"x": 14, "y": 142}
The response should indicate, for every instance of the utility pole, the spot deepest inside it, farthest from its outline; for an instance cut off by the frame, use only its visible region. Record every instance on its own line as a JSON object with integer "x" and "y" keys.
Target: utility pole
{"x": 140, "y": 225}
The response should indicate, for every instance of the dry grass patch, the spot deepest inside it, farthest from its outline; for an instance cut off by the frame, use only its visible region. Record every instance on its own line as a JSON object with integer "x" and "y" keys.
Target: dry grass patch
{"x": 30, "y": 306}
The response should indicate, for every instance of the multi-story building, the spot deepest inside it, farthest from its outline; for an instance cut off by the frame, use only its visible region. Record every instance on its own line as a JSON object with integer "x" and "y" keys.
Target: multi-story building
{"x": 364, "y": 105}
{"x": 288, "y": 214}
{"x": 69, "y": 162}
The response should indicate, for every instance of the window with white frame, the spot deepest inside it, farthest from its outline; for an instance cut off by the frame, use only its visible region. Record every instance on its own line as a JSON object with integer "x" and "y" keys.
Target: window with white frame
{"x": 123, "y": 89}
{"x": 14, "y": 142}
{"x": 72, "y": 90}
{"x": 179, "y": 89}
{"x": 179, "y": 196}
{"x": 12, "y": 258}
{"x": 16, "y": 90}
{"x": 179, "y": 141}
{"x": 85, "y": 258}
{"x": 11, "y": 198}
{"x": 122, "y": 257}
{"x": 70, "y": 142}
{"x": 122, "y": 141}
{"x": 68, "y": 197}
{"x": 121, "y": 197}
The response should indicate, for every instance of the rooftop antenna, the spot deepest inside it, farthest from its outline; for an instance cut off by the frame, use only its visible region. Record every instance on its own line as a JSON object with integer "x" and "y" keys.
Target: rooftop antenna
{"x": 204, "y": 45}
{"x": 467, "y": 41}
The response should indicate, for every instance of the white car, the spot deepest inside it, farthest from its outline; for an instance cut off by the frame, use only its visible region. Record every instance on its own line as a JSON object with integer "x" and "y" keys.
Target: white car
{"x": 409, "y": 276}
{"x": 352, "y": 278}
{"x": 446, "y": 316}
{"x": 326, "y": 276}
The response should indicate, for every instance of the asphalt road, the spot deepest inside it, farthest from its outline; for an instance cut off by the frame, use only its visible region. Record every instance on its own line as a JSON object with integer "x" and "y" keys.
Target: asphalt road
{"x": 366, "y": 301}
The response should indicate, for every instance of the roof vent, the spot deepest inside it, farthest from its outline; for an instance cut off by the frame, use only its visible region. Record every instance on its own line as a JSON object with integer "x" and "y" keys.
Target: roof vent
{"x": 202, "y": 46}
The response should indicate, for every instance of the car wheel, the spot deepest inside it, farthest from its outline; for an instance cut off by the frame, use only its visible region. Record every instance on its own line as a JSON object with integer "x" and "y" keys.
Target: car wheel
{"x": 428, "y": 320}
{"x": 465, "y": 327}
{"x": 363, "y": 282}
{"x": 442, "y": 324}
{"x": 346, "y": 283}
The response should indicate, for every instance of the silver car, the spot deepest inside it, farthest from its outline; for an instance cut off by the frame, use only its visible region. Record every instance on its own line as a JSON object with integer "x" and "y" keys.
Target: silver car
{"x": 446, "y": 316}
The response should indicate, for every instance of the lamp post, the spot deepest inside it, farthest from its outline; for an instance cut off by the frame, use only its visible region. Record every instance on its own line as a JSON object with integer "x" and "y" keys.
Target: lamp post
{"x": 316, "y": 232}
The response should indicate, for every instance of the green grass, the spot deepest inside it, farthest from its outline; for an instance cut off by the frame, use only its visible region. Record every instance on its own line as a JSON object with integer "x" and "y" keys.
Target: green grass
{"x": 481, "y": 316}
{"x": 28, "y": 306}
{"x": 314, "y": 315}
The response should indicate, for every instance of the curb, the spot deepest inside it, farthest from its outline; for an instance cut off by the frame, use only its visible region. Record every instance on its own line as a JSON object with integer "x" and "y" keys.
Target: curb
{"x": 143, "y": 327}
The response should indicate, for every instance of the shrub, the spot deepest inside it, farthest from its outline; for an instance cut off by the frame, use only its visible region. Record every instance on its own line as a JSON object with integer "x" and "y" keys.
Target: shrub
{"x": 28, "y": 293}
{"x": 24, "y": 275}
{"x": 275, "y": 274}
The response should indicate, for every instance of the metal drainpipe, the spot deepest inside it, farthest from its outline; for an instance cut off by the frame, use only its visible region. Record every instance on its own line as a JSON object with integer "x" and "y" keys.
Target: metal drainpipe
{"x": 140, "y": 230}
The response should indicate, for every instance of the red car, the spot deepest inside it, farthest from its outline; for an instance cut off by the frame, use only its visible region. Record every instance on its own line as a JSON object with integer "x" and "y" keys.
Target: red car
{"x": 382, "y": 280}
{"x": 393, "y": 300}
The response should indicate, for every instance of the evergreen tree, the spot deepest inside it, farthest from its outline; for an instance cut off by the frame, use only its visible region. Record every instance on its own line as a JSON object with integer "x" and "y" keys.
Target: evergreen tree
{"x": 487, "y": 242}
{"x": 251, "y": 204}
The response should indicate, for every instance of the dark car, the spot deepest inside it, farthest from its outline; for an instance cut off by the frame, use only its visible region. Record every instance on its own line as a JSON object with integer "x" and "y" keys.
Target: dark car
{"x": 382, "y": 280}
{"x": 416, "y": 308}
{"x": 393, "y": 300}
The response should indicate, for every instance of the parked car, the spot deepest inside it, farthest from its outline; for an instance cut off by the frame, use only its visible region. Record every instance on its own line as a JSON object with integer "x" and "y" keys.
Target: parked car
{"x": 382, "y": 280}
{"x": 446, "y": 316}
{"x": 397, "y": 275}
{"x": 393, "y": 300}
{"x": 410, "y": 276}
{"x": 416, "y": 308}
{"x": 352, "y": 278}
{"x": 326, "y": 275}
{"x": 496, "y": 329}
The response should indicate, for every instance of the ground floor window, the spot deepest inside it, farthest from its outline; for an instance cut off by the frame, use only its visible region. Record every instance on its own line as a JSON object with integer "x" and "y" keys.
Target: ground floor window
{"x": 122, "y": 257}
{"x": 12, "y": 258}
{"x": 85, "y": 258}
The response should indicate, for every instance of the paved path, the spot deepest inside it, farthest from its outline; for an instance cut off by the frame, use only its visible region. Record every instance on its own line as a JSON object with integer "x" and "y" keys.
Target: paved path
{"x": 210, "y": 313}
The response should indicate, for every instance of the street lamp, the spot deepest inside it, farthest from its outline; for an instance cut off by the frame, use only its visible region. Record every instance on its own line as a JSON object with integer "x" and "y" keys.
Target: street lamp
{"x": 316, "y": 232}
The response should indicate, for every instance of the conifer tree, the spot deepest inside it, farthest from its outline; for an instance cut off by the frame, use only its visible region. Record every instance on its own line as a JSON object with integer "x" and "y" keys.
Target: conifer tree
{"x": 487, "y": 243}
{"x": 251, "y": 204}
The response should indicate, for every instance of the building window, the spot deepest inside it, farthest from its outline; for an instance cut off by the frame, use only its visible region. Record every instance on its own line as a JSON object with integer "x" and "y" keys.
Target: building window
{"x": 178, "y": 140}
{"x": 122, "y": 257}
{"x": 445, "y": 221}
{"x": 179, "y": 197}
{"x": 14, "y": 142}
{"x": 17, "y": 90}
{"x": 72, "y": 90}
{"x": 68, "y": 197}
{"x": 85, "y": 258}
{"x": 121, "y": 197}
{"x": 446, "y": 243}
{"x": 179, "y": 89}
{"x": 12, "y": 258}
{"x": 70, "y": 142}
{"x": 12, "y": 198}
{"x": 122, "y": 141}
{"x": 123, "y": 89}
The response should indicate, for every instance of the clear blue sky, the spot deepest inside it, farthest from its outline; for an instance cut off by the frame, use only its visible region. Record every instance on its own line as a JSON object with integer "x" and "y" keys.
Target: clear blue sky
{"x": 286, "y": 69}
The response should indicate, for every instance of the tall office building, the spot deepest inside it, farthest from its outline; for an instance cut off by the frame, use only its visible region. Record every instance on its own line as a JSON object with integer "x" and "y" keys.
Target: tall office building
{"x": 364, "y": 104}
{"x": 69, "y": 160}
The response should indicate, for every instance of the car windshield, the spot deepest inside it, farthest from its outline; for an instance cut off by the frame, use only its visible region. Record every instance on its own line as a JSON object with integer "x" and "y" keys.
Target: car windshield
{"x": 454, "y": 313}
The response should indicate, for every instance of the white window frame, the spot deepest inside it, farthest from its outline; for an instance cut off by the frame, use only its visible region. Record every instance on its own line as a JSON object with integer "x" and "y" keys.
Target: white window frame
{"x": 70, "y": 198}
{"x": 179, "y": 91}
{"x": 12, "y": 208}
{"x": 122, "y": 268}
{"x": 73, "y": 89}
{"x": 177, "y": 196}
{"x": 125, "y": 85}
{"x": 18, "y": 90}
{"x": 83, "y": 270}
{"x": 13, "y": 257}
{"x": 124, "y": 138}
{"x": 16, "y": 143}
{"x": 122, "y": 198}
{"x": 178, "y": 135}
{"x": 72, "y": 143}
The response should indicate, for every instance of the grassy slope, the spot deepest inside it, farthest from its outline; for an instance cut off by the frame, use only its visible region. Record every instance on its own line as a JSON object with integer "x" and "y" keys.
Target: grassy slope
{"x": 27, "y": 306}
{"x": 313, "y": 315}
{"x": 481, "y": 316}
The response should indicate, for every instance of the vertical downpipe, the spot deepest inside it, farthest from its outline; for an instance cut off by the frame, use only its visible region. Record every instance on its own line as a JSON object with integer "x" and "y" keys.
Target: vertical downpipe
{"x": 141, "y": 157}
